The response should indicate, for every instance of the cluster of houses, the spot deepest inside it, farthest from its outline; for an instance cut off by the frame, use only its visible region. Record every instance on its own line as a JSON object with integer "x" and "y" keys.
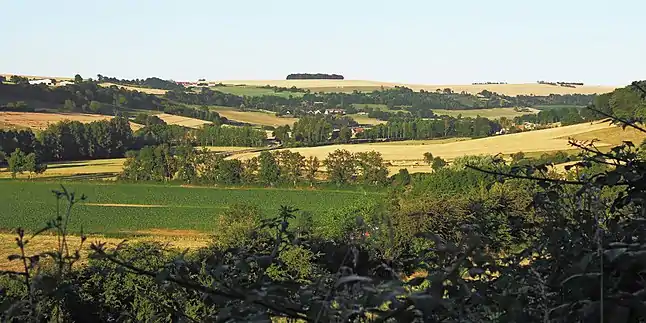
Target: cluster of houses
{"x": 325, "y": 112}
{"x": 198, "y": 83}
{"x": 50, "y": 82}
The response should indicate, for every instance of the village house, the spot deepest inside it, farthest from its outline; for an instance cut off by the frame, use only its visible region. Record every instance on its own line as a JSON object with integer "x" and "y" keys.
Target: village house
{"x": 334, "y": 111}
{"x": 357, "y": 130}
{"x": 43, "y": 81}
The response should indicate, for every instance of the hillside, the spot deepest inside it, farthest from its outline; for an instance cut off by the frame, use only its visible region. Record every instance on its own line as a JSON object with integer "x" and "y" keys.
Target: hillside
{"x": 409, "y": 154}
{"x": 350, "y": 85}
{"x": 40, "y": 121}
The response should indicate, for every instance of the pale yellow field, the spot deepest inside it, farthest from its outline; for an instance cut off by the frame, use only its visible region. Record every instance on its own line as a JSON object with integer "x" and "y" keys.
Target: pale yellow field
{"x": 255, "y": 118}
{"x": 410, "y": 154}
{"x": 614, "y": 136}
{"x": 182, "y": 121}
{"x": 76, "y": 168}
{"x": 40, "y": 121}
{"x": 32, "y": 77}
{"x": 363, "y": 119}
{"x": 135, "y": 88}
{"x": 176, "y": 239}
{"x": 227, "y": 149}
{"x": 507, "y": 89}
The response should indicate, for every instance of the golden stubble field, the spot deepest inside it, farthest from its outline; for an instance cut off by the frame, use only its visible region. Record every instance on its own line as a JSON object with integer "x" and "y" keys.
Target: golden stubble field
{"x": 409, "y": 154}
{"x": 171, "y": 239}
{"x": 255, "y": 117}
{"x": 507, "y": 89}
{"x": 40, "y": 121}
{"x": 172, "y": 119}
{"x": 136, "y": 88}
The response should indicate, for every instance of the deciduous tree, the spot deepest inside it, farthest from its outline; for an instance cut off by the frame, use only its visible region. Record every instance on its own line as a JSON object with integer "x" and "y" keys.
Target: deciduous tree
{"x": 341, "y": 166}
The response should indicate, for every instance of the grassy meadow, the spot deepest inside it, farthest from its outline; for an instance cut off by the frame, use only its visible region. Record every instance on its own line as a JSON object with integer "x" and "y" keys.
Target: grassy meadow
{"x": 124, "y": 209}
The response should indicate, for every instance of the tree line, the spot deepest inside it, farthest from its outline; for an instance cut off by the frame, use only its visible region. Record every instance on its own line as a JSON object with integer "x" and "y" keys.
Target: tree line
{"x": 445, "y": 127}
{"x": 73, "y": 140}
{"x": 418, "y": 104}
{"x": 89, "y": 97}
{"x": 150, "y": 82}
{"x": 282, "y": 167}
{"x": 316, "y": 76}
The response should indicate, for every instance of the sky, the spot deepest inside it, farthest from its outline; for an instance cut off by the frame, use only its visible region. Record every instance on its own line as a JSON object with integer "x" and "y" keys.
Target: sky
{"x": 409, "y": 41}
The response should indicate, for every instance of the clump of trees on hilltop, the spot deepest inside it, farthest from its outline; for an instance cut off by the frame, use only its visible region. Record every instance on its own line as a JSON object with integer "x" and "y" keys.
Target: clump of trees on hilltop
{"x": 316, "y": 76}
{"x": 150, "y": 82}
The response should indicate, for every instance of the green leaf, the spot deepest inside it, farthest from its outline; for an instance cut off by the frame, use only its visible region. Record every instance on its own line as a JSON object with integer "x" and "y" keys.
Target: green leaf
{"x": 162, "y": 276}
{"x": 613, "y": 254}
{"x": 612, "y": 178}
{"x": 476, "y": 271}
{"x": 579, "y": 277}
{"x": 351, "y": 279}
{"x": 416, "y": 281}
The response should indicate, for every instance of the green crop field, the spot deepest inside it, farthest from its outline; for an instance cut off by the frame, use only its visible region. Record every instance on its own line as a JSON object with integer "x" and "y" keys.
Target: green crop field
{"x": 118, "y": 208}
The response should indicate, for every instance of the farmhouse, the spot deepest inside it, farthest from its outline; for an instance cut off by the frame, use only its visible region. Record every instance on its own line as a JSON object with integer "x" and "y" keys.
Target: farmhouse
{"x": 357, "y": 130}
{"x": 334, "y": 111}
{"x": 43, "y": 81}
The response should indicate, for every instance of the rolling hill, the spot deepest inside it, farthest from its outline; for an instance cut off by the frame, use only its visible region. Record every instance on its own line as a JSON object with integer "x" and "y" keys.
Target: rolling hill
{"x": 360, "y": 85}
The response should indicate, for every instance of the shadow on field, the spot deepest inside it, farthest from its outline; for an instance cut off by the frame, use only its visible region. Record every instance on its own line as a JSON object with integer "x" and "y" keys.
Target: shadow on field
{"x": 83, "y": 177}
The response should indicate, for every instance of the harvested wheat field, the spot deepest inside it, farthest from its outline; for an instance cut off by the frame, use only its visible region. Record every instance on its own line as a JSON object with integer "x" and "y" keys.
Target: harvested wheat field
{"x": 40, "y": 121}
{"x": 182, "y": 121}
{"x": 405, "y": 155}
{"x": 89, "y": 169}
{"x": 136, "y": 88}
{"x": 613, "y": 135}
{"x": 181, "y": 240}
{"x": 507, "y": 89}
{"x": 255, "y": 117}
{"x": 226, "y": 149}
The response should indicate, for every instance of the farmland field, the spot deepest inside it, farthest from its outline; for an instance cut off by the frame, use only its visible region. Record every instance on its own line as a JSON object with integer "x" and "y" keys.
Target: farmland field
{"x": 254, "y": 117}
{"x": 115, "y": 208}
{"x": 507, "y": 89}
{"x": 409, "y": 154}
{"x": 254, "y": 91}
{"x": 181, "y": 240}
{"x": 89, "y": 169}
{"x": 40, "y": 121}
{"x": 494, "y": 113}
{"x": 182, "y": 121}
{"x": 365, "y": 120}
{"x": 136, "y": 88}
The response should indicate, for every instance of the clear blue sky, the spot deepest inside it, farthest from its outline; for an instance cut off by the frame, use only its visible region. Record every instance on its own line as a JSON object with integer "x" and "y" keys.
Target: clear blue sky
{"x": 412, "y": 41}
